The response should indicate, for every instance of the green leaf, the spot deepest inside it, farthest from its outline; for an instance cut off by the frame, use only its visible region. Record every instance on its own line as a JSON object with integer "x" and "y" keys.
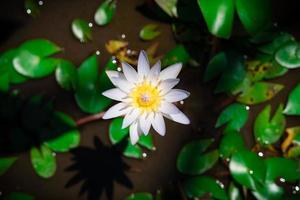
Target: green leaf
{"x": 248, "y": 169}
{"x": 285, "y": 168}
{"x": 255, "y": 15}
{"x": 178, "y": 54}
{"x": 231, "y": 143}
{"x": 4, "y": 80}
{"x": 293, "y": 104}
{"x": 218, "y": 15}
{"x": 287, "y": 55}
{"x": 191, "y": 161}
{"x": 275, "y": 70}
{"x": 32, "y": 8}
{"x": 216, "y": 66}
{"x": 6, "y": 62}
{"x": 81, "y": 30}
{"x": 140, "y": 196}
{"x": 105, "y": 12}
{"x": 149, "y": 32}
{"x": 199, "y": 186}
{"x": 18, "y": 196}
{"x": 116, "y": 133}
{"x": 43, "y": 161}
{"x": 234, "y": 192}
{"x": 67, "y": 140}
{"x": 269, "y": 191}
{"x": 281, "y": 39}
{"x": 259, "y": 92}
{"x": 103, "y": 81}
{"x": 294, "y": 152}
{"x": 169, "y": 6}
{"x": 235, "y": 115}
{"x": 6, "y": 163}
{"x": 146, "y": 141}
{"x": 66, "y": 74}
{"x": 40, "y": 47}
{"x": 268, "y": 131}
{"x": 133, "y": 151}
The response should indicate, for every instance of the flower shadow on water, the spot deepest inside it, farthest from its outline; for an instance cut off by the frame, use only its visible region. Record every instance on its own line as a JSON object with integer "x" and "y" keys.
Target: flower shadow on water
{"x": 98, "y": 168}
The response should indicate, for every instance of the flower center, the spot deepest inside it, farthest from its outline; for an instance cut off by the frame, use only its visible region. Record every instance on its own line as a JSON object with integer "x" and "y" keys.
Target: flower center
{"x": 146, "y": 97}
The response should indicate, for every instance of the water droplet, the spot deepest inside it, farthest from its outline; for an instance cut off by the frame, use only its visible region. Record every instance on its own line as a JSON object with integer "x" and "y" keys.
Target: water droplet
{"x": 266, "y": 142}
{"x": 282, "y": 180}
{"x": 297, "y": 188}
{"x": 128, "y": 51}
{"x": 247, "y": 107}
{"x": 114, "y": 61}
{"x": 41, "y": 3}
{"x": 28, "y": 11}
{"x": 123, "y": 36}
{"x": 119, "y": 69}
{"x": 90, "y": 24}
{"x": 258, "y": 139}
{"x": 250, "y": 172}
{"x": 227, "y": 159}
{"x": 221, "y": 155}
{"x": 0, "y": 193}
{"x": 245, "y": 57}
{"x": 53, "y": 154}
{"x": 275, "y": 24}
{"x": 261, "y": 154}
{"x": 154, "y": 148}
{"x": 181, "y": 102}
{"x": 144, "y": 155}
{"x": 97, "y": 52}
{"x": 220, "y": 183}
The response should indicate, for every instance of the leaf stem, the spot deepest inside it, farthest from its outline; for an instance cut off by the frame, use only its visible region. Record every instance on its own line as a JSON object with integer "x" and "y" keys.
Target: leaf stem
{"x": 89, "y": 118}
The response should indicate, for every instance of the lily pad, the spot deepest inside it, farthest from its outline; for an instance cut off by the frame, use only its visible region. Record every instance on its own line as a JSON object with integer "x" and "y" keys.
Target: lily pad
{"x": 105, "y": 12}
{"x": 281, "y": 39}
{"x": 66, "y": 75}
{"x": 140, "y": 196}
{"x": 287, "y": 55}
{"x": 6, "y": 163}
{"x": 234, "y": 192}
{"x": 116, "y": 133}
{"x": 231, "y": 143}
{"x": 191, "y": 160}
{"x": 18, "y": 196}
{"x": 43, "y": 161}
{"x": 201, "y": 185}
{"x": 81, "y": 30}
{"x": 259, "y": 92}
{"x": 235, "y": 116}
{"x": 269, "y": 191}
{"x": 248, "y": 169}
{"x": 4, "y": 80}
{"x": 169, "y": 6}
{"x": 268, "y": 131}
{"x": 216, "y": 66}
{"x": 178, "y": 54}
{"x": 293, "y": 104}
{"x": 149, "y": 32}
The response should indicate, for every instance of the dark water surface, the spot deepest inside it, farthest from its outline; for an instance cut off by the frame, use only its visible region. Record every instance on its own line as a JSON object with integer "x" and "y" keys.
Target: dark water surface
{"x": 150, "y": 174}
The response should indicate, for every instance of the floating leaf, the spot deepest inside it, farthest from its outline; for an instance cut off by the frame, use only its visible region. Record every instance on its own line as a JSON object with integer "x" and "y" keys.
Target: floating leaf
{"x": 133, "y": 151}
{"x": 66, "y": 74}
{"x": 234, "y": 192}
{"x": 294, "y": 152}
{"x": 216, "y": 66}
{"x": 293, "y": 104}
{"x": 201, "y": 185}
{"x": 268, "y": 131}
{"x": 231, "y": 143}
{"x": 191, "y": 161}
{"x": 113, "y": 46}
{"x": 248, "y": 169}
{"x": 43, "y": 161}
{"x": 255, "y": 15}
{"x": 81, "y": 30}
{"x": 146, "y": 141}
{"x": 6, "y": 163}
{"x": 4, "y": 80}
{"x": 18, "y": 196}
{"x": 287, "y": 55}
{"x": 140, "y": 196}
{"x": 105, "y": 12}
{"x": 149, "y": 32}
{"x": 259, "y": 92}
{"x": 67, "y": 140}
{"x": 218, "y": 16}
{"x": 280, "y": 40}
{"x": 269, "y": 191}
{"x": 176, "y": 55}
{"x": 275, "y": 70}
{"x": 116, "y": 133}
{"x": 169, "y": 6}
{"x": 235, "y": 115}
{"x": 32, "y": 7}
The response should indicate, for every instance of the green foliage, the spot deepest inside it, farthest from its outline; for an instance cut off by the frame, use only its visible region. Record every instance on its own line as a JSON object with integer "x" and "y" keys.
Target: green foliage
{"x": 200, "y": 185}
{"x": 43, "y": 161}
{"x": 235, "y": 116}
{"x": 81, "y": 30}
{"x": 193, "y": 161}
{"x": 6, "y": 163}
{"x": 140, "y": 196}
{"x": 149, "y": 32}
{"x": 280, "y": 39}
{"x": 105, "y": 12}
{"x": 18, "y": 196}
{"x": 216, "y": 66}
{"x": 234, "y": 192}
{"x": 268, "y": 131}
{"x": 288, "y": 55}
{"x": 169, "y": 6}
{"x": 178, "y": 54}
{"x": 293, "y": 104}
{"x": 231, "y": 143}
{"x": 66, "y": 74}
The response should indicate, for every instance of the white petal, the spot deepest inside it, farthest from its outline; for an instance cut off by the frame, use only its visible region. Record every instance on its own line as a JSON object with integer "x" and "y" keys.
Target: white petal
{"x": 115, "y": 111}
{"x": 176, "y": 95}
{"x": 113, "y": 74}
{"x": 158, "y": 124}
{"x": 145, "y": 123}
{"x": 115, "y": 94}
{"x": 133, "y": 133}
{"x": 129, "y": 72}
{"x": 180, "y": 118}
{"x": 130, "y": 117}
{"x": 166, "y": 85}
{"x": 123, "y": 84}
{"x": 154, "y": 72}
{"x": 143, "y": 65}
{"x": 171, "y": 71}
{"x": 168, "y": 108}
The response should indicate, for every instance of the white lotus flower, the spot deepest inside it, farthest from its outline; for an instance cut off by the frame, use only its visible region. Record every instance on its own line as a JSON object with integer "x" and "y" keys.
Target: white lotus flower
{"x": 145, "y": 96}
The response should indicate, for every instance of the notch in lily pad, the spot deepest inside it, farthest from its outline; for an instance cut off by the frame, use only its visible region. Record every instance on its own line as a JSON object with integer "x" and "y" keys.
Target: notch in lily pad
{"x": 149, "y": 32}
{"x": 293, "y": 103}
